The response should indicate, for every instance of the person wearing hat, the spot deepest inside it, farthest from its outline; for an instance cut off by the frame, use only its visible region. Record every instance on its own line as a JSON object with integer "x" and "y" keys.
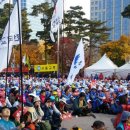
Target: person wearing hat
{"x": 61, "y": 105}
{"x": 51, "y": 113}
{"x": 124, "y": 121}
{"x": 80, "y": 106}
{"x": 39, "y": 111}
{"x": 99, "y": 125}
{"x": 93, "y": 97}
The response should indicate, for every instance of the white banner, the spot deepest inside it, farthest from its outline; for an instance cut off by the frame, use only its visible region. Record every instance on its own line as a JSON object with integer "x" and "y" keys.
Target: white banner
{"x": 13, "y": 37}
{"x": 77, "y": 64}
{"x": 56, "y": 18}
{"x": 14, "y": 29}
{"x": 3, "y": 57}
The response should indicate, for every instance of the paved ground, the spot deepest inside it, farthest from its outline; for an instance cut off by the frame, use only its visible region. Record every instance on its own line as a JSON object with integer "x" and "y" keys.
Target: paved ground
{"x": 86, "y": 122}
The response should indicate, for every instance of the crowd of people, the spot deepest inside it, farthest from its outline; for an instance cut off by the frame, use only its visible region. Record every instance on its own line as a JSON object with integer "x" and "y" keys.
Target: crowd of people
{"x": 47, "y": 101}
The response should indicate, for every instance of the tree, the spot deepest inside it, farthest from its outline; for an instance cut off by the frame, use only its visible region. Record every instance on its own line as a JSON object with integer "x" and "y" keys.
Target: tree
{"x": 25, "y": 26}
{"x": 98, "y": 35}
{"x": 126, "y": 12}
{"x": 4, "y": 17}
{"x": 75, "y": 24}
{"x": 117, "y": 51}
{"x": 76, "y": 27}
{"x": 33, "y": 51}
{"x": 46, "y": 10}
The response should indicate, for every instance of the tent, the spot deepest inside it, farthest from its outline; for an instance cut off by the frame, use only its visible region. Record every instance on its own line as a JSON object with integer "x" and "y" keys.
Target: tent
{"x": 124, "y": 70}
{"x": 104, "y": 65}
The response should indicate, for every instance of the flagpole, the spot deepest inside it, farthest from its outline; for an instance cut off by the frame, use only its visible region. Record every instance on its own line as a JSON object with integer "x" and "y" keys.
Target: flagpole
{"x": 21, "y": 73}
{"x": 58, "y": 43}
{"x": 7, "y": 52}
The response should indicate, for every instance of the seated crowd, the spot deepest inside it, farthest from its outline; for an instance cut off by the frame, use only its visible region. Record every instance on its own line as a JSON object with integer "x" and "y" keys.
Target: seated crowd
{"x": 48, "y": 101}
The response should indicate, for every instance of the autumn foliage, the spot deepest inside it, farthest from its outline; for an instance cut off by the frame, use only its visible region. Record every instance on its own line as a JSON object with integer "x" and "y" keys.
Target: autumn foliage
{"x": 118, "y": 50}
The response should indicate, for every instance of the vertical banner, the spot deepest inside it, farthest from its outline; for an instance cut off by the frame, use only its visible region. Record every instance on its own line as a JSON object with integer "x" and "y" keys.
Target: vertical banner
{"x": 13, "y": 37}
{"x": 77, "y": 64}
{"x": 13, "y": 31}
{"x": 56, "y": 18}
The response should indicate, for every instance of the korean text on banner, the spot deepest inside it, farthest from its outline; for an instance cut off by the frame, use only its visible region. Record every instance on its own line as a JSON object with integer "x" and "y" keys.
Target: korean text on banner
{"x": 45, "y": 68}
{"x": 14, "y": 29}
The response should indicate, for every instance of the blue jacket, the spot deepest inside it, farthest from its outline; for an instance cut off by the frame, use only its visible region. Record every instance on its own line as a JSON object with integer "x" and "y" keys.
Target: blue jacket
{"x": 7, "y": 125}
{"x": 120, "y": 126}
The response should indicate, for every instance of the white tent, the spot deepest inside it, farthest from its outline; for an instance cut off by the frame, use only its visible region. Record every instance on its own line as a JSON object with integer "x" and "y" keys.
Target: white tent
{"x": 104, "y": 65}
{"x": 124, "y": 70}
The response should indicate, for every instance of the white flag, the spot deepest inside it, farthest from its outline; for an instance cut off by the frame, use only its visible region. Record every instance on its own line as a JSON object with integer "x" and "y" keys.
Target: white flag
{"x": 56, "y": 18}
{"x": 24, "y": 59}
{"x": 3, "y": 57}
{"x": 14, "y": 29}
{"x": 14, "y": 38}
{"x": 77, "y": 64}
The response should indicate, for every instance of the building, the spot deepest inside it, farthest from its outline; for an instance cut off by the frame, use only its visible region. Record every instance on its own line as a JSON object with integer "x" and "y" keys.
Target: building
{"x": 23, "y": 3}
{"x": 35, "y": 22}
{"x": 110, "y": 11}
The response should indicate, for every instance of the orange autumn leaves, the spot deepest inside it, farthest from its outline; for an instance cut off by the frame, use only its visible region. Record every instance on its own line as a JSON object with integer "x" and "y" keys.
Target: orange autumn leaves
{"x": 118, "y": 50}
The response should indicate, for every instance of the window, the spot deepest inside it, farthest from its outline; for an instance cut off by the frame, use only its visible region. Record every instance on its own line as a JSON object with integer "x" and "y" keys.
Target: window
{"x": 95, "y": 13}
{"x": 92, "y": 8}
{"x": 96, "y": 2}
{"x": 96, "y": 8}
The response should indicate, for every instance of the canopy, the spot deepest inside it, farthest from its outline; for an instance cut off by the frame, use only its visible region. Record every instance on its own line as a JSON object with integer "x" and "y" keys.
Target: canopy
{"x": 124, "y": 70}
{"x": 104, "y": 65}
{"x": 16, "y": 70}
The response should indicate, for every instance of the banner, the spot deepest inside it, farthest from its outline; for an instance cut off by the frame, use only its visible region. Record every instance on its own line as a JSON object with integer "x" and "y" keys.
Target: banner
{"x": 56, "y": 18}
{"x": 77, "y": 64}
{"x": 14, "y": 29}
{"x": 13, "y": 38}
{"x": 45, "y": 68}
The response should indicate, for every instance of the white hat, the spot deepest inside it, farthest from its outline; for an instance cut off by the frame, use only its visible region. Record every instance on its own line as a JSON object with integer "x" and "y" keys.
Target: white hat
{"x": 100, "y": 88}
{"x": 32, "y": 94}
{"x": 36, "y": 99}
{"x": 63, "y": 100}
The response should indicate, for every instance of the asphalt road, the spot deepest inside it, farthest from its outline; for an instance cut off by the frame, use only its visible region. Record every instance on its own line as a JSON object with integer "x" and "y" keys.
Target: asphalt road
{"x": 86, "y": 122}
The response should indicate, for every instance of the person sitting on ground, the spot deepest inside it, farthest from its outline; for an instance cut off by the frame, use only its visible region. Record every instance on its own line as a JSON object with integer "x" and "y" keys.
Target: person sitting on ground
{"x": 5, "y": 122}
{"x": 99, "y": 125}
{"x": 124, "y": 121}
{"x": 81, "y": 108}
{"x": 28, "y": 122}
{"x": 51, "y": 114}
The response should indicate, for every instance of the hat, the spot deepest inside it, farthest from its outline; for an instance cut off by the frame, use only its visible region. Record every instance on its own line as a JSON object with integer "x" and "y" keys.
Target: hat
{"x": 32, "y": 94}
{"x": 36, "y": 99}
{"x": 125, "y": 115}
{"x": 52, "y": 98}
{"x": 63, "y": 100}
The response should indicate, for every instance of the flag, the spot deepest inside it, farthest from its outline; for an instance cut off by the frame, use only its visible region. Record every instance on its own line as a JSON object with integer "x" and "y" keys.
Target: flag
{"x": 14, "y": 29}
{"x": 3, "y": 57}
{"x": 13, "y": 38}
{"x": 77, "y": 64}
{"x": 56, "y": 18}
{"x": 24, "y": 59}
{"x": 27, "y": 62}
